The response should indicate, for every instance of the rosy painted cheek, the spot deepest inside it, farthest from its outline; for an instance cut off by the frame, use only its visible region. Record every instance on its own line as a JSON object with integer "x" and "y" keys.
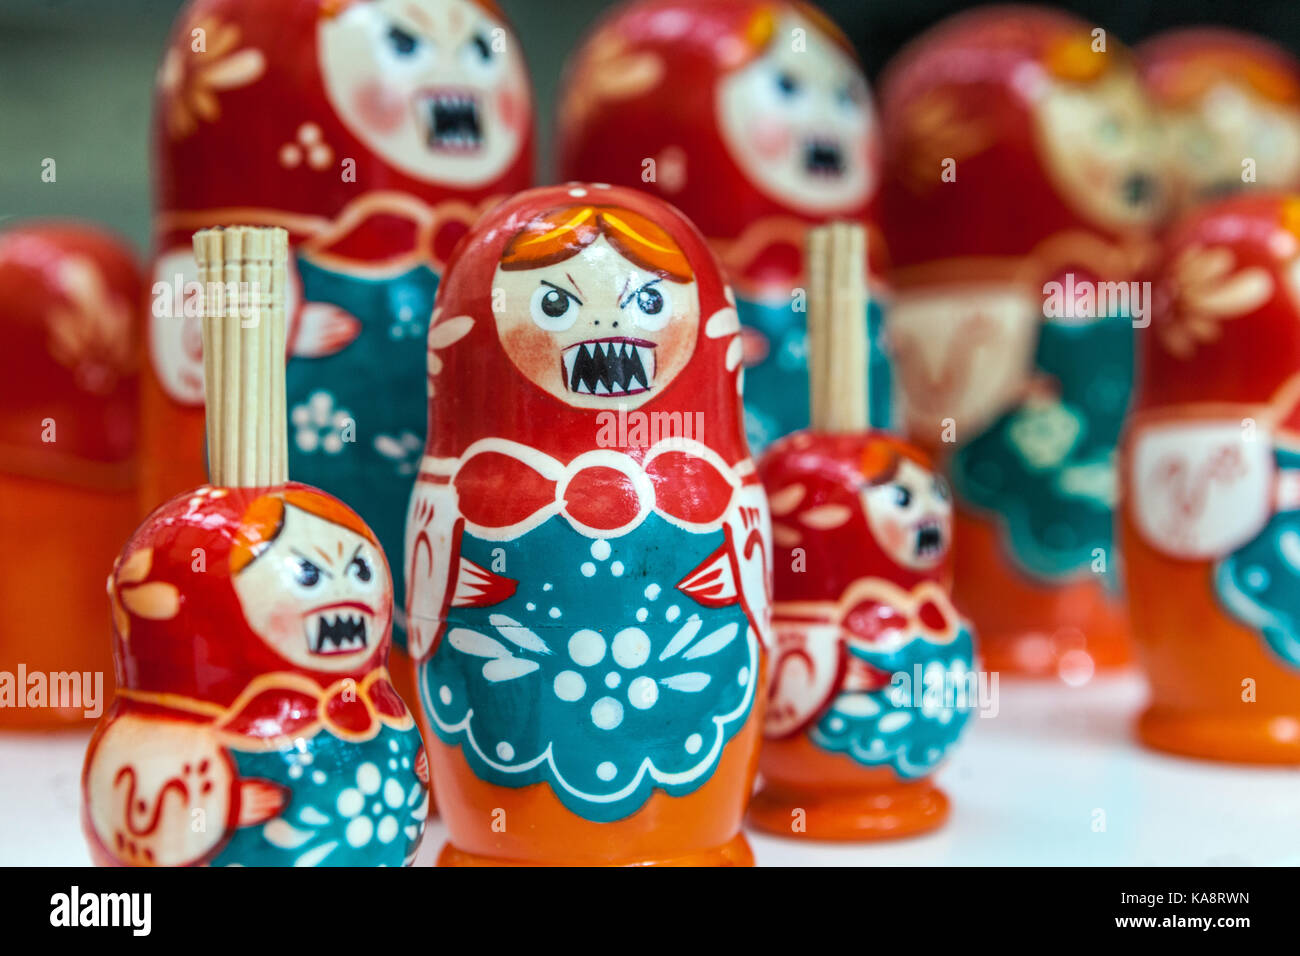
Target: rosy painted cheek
{"x": 510, "y": 108}
{"x": 770, "y": 139}
{"x": 379, "y": 107}
{"x": 893, "y": 536}
{"x": 284, "y": 623}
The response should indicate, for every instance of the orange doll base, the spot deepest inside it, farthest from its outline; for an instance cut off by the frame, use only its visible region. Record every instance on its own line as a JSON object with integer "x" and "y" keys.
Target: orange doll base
{"x": 52, "y": 587}
{"x": 1265, "y": 739}
{"x": 1028, "y": 630}
{"x": 812, "y": 794}
{"x": 850, "y": 816}
{"x": 735, "y": 852}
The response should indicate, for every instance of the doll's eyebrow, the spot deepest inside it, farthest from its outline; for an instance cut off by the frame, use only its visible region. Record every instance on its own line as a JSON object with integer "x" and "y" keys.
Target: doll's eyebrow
{"x": 563, "y": 290}
{"x": 313, "y": 563}
{"x": 644, "y": 285}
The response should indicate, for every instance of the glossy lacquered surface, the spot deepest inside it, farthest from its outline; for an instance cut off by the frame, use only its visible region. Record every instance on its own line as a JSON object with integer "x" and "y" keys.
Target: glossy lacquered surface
{"x": 254, "y": 722}
{"x": 1020, "y": 151}
{"x": 1209, "y": 522}
{"x": 68, "y": 389}
{"x": 872, "y": 660}
{"x": 588, "y": 549}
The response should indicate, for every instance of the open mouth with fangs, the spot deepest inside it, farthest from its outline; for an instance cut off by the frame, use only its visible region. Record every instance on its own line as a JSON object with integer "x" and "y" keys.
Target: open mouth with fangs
{"x": 338, "y": 629}
{"x": 823, "y": 157}
{"x": 451, "y": 118}
{"x": 613, "y": 366}
{"x": 929, "y": 539}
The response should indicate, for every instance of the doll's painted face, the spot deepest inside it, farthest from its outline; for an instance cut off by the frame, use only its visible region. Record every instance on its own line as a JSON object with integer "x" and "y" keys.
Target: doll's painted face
{"x": 910, "y": 516}
{"x": 436, "y": 87}
{"x": 1208, "y": 141}
{"x": 1101, "y": 146}
{"x": 596, "y": 306}
{"x": 798, "y": 121}
{"x": 317, "y": 593}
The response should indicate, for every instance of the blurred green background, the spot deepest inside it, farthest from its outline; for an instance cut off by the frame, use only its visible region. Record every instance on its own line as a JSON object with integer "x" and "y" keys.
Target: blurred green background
{"x": 76, "y": 79}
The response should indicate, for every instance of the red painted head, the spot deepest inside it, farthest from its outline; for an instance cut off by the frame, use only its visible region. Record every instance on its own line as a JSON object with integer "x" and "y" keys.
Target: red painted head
{"x": 735, "y": 111}
{"x": 68, "y": 297}
{"x": 1007, "y": 125}
{"x": 1229, "y": 106}
{"x": 221, "y": 585}
{"x": 854, "y": 506}
{"x": 569, "y": 304}
{"x": 1225, "y": 321}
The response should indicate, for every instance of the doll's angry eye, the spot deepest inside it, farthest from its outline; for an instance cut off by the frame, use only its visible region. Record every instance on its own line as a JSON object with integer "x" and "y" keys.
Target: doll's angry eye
{"x": 554, "y": 309}
{"x": 359, "y": 568}
{"x": 482, "y": 47}
{"x": 941, "y": 490}
{"x": 306, "y": 574}
{"x": 902, "y": 496}
{"x": 649, "y": 306}
{"x": 786, "y": 83}
{"x": 403, "y": 43}
{"x": 849, "y": 96}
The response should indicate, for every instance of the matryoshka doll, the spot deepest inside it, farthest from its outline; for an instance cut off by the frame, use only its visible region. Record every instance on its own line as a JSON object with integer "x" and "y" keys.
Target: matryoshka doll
{"x": 1211, "y": 469}
{"x": 1022, "y": 179}
{"x": 375, "y": 132}
{"x": 588, "y": 545}
{"x": 1229, "y": 108}
{"x": 254, "y": 722}
{"x": 873, "y": 673}
{"x": 753, "y": 118}
{"x": 68, "y": 387}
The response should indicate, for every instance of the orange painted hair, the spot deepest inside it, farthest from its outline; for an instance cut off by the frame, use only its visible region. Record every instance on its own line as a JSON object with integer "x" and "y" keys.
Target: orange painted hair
{"x": 1201, "y": 71}
{"x": 884, "y": 455}
{"x": 332, "y": 8}
{"x": 760, "y": 30}
{"x": 263, "y": 521}
{"x": 561, "y": 234}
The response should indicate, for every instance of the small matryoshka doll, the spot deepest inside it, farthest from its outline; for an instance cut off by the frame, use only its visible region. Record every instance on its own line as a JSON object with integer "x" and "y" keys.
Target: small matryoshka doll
{"x": 1211, "y": 487}
{"x": 374, "y": 131}
{"x": 254, "y": 722}
{"x": 753, "y": 118}
{"x": 1229, "y": 109}
{"x": 1022, "y": 179}
{"x": 873, "y": 671}
{"x": 68, "y": 299}
{"x": 588, "y": 545}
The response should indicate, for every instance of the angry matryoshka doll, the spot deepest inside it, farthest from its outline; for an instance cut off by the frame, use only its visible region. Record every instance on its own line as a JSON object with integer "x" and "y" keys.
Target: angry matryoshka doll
{"x": 1021, "y": 186}
{"x": 873, "y": 667}
{"x": 254, "y": 723}
{"x": 251, "y": 629}
{"x": 375, "y": 131}
{"x": 752, "y": 117}
{"x": 588, "y": 544}
{"x": 1229, "y": 108}
{"x": 68, "y": 394}
{"x": 1211, "y": 487}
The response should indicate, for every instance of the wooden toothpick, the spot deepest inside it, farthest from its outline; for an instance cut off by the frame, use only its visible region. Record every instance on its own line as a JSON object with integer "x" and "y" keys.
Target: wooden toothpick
{"x": 244, "y": 270}
{"x": 837, "y": 327}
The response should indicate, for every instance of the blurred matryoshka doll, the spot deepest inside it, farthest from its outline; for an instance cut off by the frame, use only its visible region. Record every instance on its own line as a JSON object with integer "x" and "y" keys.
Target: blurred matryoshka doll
{"x": 68, "y": 386}
{"x": 753, "y": 118}
{"x": 375, "y": 131}
{"x": 254, "y": 723}
{"x": 589, "y": 543}
{"x": 1211, "y": 517}
{"x": 1021, "y": 183}
{"x": 1229, "y": 109}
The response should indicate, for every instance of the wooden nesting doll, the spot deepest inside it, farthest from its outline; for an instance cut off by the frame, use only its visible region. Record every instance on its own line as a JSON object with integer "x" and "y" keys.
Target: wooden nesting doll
{"x": 375, "y": 132}
{"x": 588, "y": 550}
{"x": 753, "y": 118}
{"x": 1022, "y": 177}
{"x": 68, "y": 385}
{"x": 873, "y": 673}
{"x": 1211, "y": 469}
{"x": 1229, "y": 109}
{"x": 254, "y": 722}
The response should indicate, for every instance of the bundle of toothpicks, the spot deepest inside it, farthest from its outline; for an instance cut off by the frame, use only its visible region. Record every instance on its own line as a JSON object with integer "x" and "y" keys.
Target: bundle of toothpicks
{"x": 837, "y": 327}
{"x": 244, "y": 271}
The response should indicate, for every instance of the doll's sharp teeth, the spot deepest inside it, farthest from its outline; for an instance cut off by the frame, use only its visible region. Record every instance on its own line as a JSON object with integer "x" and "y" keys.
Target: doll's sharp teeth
{"x": 454, "y": 123}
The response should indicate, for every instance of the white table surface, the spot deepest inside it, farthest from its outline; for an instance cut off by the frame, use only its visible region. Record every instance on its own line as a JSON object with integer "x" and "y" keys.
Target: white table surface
{"x": 1026, "y": 787}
